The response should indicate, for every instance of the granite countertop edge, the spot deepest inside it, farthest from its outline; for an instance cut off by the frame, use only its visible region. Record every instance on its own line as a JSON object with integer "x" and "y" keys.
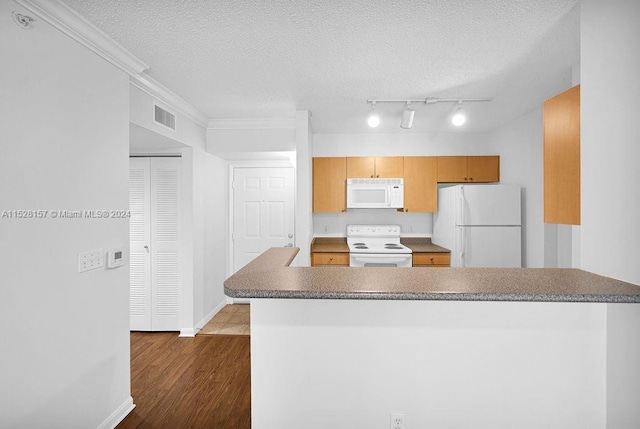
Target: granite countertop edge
{"x": 430, "y": 296}
{"x": 269, "y": 276}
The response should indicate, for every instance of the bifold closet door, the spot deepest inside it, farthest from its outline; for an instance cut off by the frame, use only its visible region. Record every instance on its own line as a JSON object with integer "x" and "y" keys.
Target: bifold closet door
{"x": 155, "y": 279}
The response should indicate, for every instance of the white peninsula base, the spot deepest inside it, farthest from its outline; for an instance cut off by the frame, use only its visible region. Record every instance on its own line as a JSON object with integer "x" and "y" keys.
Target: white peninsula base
{"x": 444, "y": 364}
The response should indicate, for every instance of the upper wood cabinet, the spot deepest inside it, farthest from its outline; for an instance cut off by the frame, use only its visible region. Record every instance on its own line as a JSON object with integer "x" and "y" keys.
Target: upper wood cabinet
{"x": 468, "y": 169}
{"x": 561, "y": 134}
{"x": 420, "y": 184}
{"x": 378, "y": 166}
{"x": 329, "y": 185}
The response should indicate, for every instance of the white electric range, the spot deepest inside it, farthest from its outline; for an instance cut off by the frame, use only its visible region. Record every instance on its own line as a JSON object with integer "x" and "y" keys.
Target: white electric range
{"x": 377, "y": 246}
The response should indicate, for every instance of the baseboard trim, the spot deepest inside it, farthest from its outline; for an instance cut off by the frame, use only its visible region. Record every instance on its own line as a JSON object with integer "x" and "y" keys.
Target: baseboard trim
{"x": 187, "y": 332}
{"x": 210, "y": 316}
{"x": 118, "y": 415}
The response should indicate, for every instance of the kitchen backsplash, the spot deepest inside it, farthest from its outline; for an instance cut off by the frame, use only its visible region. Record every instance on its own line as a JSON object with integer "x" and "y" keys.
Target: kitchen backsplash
{"x": 335, "y": 224}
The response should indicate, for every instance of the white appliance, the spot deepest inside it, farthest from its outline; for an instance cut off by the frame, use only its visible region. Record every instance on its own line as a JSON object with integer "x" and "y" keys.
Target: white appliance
{"x": 375, "y": 193}
{"x": 480, "y": 224}
{"x": 377, "y": 246}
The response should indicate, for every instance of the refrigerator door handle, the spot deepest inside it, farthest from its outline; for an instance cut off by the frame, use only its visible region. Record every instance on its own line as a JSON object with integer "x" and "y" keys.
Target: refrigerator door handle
{"x": 461, "y": 203}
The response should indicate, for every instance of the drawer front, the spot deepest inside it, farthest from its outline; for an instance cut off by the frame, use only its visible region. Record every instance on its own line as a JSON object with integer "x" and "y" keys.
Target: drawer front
{"x": 330, "y": 259}
{"x": 432, "y": 259}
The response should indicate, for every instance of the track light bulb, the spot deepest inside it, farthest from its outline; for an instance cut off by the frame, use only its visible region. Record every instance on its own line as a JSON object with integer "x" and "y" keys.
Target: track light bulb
{"x": 407, "y": 117}
{"x": 374, "y": 118}
{"x": 459, "y": 117}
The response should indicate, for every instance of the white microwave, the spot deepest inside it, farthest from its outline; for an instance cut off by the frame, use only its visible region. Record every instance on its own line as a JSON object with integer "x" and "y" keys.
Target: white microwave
{"x": 375, "y": 193}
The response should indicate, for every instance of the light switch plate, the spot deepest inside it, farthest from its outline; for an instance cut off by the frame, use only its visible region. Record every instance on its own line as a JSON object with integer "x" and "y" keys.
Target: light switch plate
{"x": 90, "y": 260}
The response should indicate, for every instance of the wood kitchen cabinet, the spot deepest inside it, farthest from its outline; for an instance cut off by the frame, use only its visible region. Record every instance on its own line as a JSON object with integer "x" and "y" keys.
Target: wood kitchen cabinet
{"x": 334, "y": 259}
{"x": 432, "y": 259}
{"x": 329, "y": 185}
{"x": 468, "y": 169}
{"x": 561, "y": 135}
{"x": 375, "y": 166}
{"x": 420, "y": 184}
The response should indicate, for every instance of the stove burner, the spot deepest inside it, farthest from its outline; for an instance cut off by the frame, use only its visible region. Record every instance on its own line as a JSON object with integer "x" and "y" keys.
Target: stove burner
{"x": 359, "y": 244}
{"x": 392, "y": 247}
{"x": 361, "y": 247}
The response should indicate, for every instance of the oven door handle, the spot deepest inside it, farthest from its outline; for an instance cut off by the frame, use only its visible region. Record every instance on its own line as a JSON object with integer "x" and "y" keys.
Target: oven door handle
{"x": 365, "y": 258}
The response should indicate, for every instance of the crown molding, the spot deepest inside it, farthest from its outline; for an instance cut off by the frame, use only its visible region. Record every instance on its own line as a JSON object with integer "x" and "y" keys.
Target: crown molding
{"x": 68, "y": 21}
{"x": 252, "y": 124}
{"x": 155, "y": 89}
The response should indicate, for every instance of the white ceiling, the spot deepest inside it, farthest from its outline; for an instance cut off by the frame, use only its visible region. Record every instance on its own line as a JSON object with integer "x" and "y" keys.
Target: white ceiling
{"x": 267, "y": 59}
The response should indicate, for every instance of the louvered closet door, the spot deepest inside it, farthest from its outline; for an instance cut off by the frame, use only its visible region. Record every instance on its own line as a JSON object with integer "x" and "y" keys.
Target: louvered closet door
{"x": 155, "y": 279}
{"x": 165, "y": 248}
{"x": 140, "y": 240}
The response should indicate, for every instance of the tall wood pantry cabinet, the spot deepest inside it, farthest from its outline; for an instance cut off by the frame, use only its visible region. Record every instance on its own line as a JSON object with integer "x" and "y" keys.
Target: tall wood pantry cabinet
{"x": 155, "y": 233}
{"x": 561, "y": 125}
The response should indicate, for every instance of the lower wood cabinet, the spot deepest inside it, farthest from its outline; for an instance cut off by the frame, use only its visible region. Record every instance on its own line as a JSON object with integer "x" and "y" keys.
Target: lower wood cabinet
{"x": 431, "y": 259}
{"x": 336, "y": 259}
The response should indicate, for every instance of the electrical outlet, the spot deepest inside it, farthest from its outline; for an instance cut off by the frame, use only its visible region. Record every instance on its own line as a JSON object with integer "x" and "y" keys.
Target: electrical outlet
{"x": 90, "y": 260}
{"x": 397, "y": 421}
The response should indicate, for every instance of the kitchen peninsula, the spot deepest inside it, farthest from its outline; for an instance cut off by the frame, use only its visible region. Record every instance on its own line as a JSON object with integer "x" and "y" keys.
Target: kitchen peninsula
{"x": 447, "y": 347}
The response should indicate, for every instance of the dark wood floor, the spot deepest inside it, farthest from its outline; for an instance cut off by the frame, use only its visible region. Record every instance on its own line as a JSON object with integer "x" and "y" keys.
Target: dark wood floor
{"x": 201, "y": 382}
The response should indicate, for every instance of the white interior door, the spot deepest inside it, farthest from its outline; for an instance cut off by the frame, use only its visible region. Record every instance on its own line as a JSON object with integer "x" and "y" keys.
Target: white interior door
{"x": 154, "y": 230}
{"x": 263, "y": 211}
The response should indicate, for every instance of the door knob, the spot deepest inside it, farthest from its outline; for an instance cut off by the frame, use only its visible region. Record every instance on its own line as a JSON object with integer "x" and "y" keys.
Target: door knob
{"x": 289, "y": 245}
{"x": 146, "y": 247}
{"x": 290, "y": 236}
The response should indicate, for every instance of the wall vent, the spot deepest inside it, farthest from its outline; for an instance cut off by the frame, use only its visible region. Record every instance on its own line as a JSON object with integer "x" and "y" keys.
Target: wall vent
{"x": 164, "y": 118}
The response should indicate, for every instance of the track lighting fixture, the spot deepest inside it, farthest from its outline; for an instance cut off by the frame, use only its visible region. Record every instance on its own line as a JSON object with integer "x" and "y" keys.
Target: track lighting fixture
{"x": 407, "y": 117}
{"x": 374, "y": 118}
{"x": 458, "y": 118}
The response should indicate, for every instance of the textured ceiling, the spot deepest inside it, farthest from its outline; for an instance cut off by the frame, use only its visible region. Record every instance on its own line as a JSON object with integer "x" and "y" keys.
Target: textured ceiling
{"x": 267, "y": 59}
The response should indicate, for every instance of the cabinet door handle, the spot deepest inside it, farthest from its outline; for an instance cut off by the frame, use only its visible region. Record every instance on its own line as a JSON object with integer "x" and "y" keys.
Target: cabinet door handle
{"x": 465, "y": 178}
{"x": 470, "y": 178}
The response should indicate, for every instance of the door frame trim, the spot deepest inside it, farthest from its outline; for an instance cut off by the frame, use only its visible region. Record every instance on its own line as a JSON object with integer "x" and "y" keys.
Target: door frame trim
{"x": 251, "y": 164}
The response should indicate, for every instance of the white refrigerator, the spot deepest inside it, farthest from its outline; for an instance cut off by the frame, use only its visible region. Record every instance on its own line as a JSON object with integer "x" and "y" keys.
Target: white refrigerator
{"x": 480, "y": 224}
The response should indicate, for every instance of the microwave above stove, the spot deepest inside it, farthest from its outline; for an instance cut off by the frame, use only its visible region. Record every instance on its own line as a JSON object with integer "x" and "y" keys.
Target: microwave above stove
{"x": 375, "y": 193}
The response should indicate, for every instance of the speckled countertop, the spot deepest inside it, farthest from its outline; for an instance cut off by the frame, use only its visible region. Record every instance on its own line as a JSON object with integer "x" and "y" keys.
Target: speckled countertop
{"x": 422, "y": 245}
{"x": 269, "y": 276}
{"x": 329, "y": 245}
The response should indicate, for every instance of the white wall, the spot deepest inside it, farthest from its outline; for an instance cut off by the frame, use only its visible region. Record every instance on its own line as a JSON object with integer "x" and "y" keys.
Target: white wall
{"x": 610, "y": 103}
{"x": 519, "y": 144}
{"x": 64, "y": 139}
{"x": 499, "y": 365}
{"x": 205, "y": 197}
{"x": 303, "y": 220}
{"x": 610, "y": 108}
